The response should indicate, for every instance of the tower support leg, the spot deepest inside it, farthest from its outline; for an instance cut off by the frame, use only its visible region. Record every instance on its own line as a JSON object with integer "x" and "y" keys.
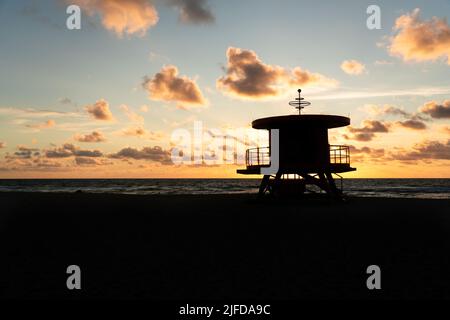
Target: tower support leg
{"x": 323, "y": 183}
{"x": 264, "y": 184}
{"x": 334, "y": 190}
{"x": 276, "y": 184}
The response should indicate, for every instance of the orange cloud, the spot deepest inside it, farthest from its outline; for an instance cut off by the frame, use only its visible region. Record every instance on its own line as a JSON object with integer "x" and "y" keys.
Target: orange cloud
{"x": 47, "y": 124}
{"x": 166, "y": 85}
{"x": 371, "y": 126}
{"x": 412, "y": 124}
{"x": 23, "y": 152}
{"x": 248, "y": 77}
{"x": 131, "y": 115}
{"x": 353, "y": 67}
{"x": 413, "y": 120}
{"x": 386, "y": 109}
{"x": 365, "y": 153}
{"x": 142, "y": 133}
{"x": 300, "y": 77}
{"x": 100, "y": 111}
{"x": 425, "y": 150}
{"x": 367, "y": 131}
{"x": 69, "y": 150}
{"x": 139, "y": 132}
{"x": 367, "y": 150}
{"x": 418, "y": 40}
{"x": 36, "y": 164}
{"x": 84, "y": 161}
{"x": 156, "y": 154}
{"x": 95, "y": 136}
{"x": 122, "y": 16}
{"x": 436, "y": 110}
{"x": 26, "y": 158}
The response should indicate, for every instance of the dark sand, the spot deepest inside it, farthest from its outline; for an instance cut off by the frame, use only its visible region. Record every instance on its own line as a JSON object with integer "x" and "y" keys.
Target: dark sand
{"x": 221, "y": 247}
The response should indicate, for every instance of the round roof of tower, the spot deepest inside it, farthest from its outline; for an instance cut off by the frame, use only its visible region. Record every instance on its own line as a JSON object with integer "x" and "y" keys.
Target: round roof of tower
{"x": 304, "y": 120}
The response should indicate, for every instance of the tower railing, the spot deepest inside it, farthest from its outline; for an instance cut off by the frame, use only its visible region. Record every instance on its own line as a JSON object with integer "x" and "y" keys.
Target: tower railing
{"x": 257, "y": 156}
{"x": 339, "y": 154}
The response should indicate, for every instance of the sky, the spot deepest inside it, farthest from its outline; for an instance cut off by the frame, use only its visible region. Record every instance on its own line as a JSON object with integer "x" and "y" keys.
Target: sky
{"x": 144, "y": 83}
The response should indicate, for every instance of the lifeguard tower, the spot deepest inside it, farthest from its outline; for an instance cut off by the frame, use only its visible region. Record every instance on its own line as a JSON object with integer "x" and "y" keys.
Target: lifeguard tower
{"x": 305, "y": 156}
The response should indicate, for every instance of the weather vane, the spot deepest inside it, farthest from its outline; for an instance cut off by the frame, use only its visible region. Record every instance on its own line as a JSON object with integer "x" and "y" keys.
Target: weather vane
{"x": 298, "y": 103}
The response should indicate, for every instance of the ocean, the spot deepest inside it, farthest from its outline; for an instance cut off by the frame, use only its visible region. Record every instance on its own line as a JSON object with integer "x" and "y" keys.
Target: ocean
{"x": 392, "y": 188}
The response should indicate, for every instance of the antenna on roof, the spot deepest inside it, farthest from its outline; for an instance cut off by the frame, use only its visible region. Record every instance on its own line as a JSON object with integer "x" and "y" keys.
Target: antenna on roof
{"x": 298, "y": 103}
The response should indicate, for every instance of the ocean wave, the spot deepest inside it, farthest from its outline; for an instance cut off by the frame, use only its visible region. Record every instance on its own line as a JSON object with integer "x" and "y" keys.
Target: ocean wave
{"x": 399, "y": 188}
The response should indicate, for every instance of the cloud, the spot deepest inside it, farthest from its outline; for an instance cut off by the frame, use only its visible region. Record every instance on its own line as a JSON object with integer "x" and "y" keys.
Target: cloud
{"x": 364, "y": 136}
{"x": 300, "y": 77}
{"x": 87, "y": 153}
{"x": 131, "y": 17}
{"x": 58, "y": 153}
{"x": 95, "y": 136}
{"x": 144, "y": 108}
{"x": 371, "y": 126}
{"x": 435, "y": 110}
{"x": 35, "y": 113}
{"x": 26, "y": 158}
{"x": 166, "y": 85}
{"x": 367, "y": 131}
{"x": 34, "y": 164}
{"x": 69, "y": 150}
{"x": 65, "y": 101}
{"x": 142, "y": 133}
{"x": 353, "y": 67}
{"x": 412, "y": 124}
{"x": 366, "y": 150}
{"x": 425, "y": 150}
{"x": 46, "y": 164}
{"x": 83, "y": 161}
{"x": 138, "y": 132}
{"x": 413, "y": 120}
{"x": 248, "y": 77}
{"x": 23, "y": 152}
{"x": 418, "y": 40}
{"x": 100, "y": 110}
{"x": 386, "y": 109}
{"x": 45, "y": 125}
{"x": 32, "y": 159}
{"x": 156, "y": 154}
{"x": 131, "y": 115}
{"x": 193, "y": 11}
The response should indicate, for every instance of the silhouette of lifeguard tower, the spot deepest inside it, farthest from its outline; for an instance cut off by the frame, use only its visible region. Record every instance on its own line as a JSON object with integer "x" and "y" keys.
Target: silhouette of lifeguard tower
{"x": 305, "y": 156}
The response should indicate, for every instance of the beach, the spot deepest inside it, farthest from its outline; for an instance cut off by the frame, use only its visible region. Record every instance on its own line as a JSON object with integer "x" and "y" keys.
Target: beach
{"x": 219, "y": 247}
